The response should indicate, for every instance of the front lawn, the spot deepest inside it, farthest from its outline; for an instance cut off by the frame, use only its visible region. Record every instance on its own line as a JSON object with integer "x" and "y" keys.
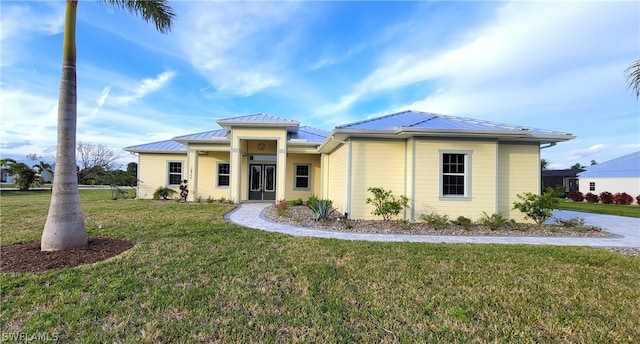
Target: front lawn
{"x": 632, "y": 210}
{"x": 191, "y": 277}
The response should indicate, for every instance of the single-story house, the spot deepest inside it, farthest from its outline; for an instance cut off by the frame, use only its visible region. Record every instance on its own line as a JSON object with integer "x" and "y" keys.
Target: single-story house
{"x": 618, "y": 175}
{"x": 568, "y": 179}
{"x": 444, "y": 164}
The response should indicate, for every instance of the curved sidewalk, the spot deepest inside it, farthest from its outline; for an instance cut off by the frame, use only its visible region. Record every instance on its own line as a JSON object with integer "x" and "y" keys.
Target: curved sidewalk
{"x": 625, "y": 229}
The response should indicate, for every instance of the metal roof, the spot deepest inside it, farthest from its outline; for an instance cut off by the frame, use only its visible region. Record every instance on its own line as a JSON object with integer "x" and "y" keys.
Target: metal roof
{"x": 426, "y": 120}
{"x": 624, "y": 166}
{"x": 207, "y": 135}
{"x": 309, "y": 134}
{"x": 167, "y": 146}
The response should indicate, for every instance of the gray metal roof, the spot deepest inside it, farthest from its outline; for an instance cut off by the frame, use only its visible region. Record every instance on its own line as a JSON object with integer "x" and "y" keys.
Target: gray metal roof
{"x": 260, "y": 118}
{"x": 425, "y": 120}
{"x": 624, "y": 166}
{"x": 168, "y": 146}
{"x": 309, "y": 134}
{"x": 207, "y": 135}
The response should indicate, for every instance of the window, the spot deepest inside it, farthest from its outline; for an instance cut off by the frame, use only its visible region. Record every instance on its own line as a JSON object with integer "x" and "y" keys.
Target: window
{"x": 223, "y": 174}
{"x": 455, "y": 173}
{"x": 175, "y": 173}
{"x": 592, "y": 186}
{"x": 302, "y": 174}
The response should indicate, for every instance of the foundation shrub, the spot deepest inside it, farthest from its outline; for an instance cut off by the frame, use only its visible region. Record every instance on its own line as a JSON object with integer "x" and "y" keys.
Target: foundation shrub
{"x": 463, "y": 222}
{"x": 385, "y": 203}
{"x": 592, "y": 198}
{"x": 494, "y": 221}
{"x": 576, "y": 196}
{"x": 281, "y": 207}
{"x": 622, "y": 198}
{"x": 606, "y": 197}
{"x": 539, "y": 208}
{"x": 435, "y": 221}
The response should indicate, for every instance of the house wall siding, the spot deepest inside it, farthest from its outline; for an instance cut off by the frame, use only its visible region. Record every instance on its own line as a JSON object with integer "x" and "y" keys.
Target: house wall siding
{"x": 208, "y": 175}
{"x": 375, "y": 163}
{"x": 337, "y": 177}
{"x": 314, "y": 183}
{"x": 630, "y": 185}
{"x": 482, "y": 169}
{"x": 518, "y": 172}
{"x": 152, "y": 172}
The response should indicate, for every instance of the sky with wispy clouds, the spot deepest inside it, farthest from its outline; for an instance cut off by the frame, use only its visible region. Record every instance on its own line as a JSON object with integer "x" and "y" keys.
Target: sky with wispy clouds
{"x": 554, "y": 65}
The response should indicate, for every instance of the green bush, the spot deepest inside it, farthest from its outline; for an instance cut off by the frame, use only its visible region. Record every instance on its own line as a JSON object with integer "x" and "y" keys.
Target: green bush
{"x": 463, "y": 222}
{"x": 281, "y": 207}
{"x": 539, "y": 208}
{"x": 297, "y": 201}
{"x": 494, "y": 221}
{"x": 321, "y": 208}
{"x": 163, "y": 192}
{"x": 435, "y": 221}
{"x": 385, "y": 203}
{"x": 576, "y": 222}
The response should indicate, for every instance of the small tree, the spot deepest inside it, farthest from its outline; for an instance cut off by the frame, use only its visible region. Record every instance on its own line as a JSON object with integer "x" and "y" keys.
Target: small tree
{"x": 539, "y": 208}
{"x": 25, "y": 175}
{"x": 385, "y": 203}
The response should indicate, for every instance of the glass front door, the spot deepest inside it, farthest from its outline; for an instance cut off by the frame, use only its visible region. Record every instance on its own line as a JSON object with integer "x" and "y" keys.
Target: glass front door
{"x": 262, "y": 182}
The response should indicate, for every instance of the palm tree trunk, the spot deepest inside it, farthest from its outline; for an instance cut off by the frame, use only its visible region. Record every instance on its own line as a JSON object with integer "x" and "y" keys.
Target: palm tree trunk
{"x": 65, "y": 228}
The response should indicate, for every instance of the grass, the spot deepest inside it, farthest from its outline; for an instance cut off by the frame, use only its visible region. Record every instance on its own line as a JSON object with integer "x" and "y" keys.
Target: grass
{"x": 191, "y": 277}
{"x": 599, "y": 208}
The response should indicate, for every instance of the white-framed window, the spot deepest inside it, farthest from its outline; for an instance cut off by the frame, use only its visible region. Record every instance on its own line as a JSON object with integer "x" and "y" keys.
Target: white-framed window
{"x": 175, "y": 172}
{"x": 302, "y": 176}
{"x": 223, "y": 174}
{"x": 455, "y": 167}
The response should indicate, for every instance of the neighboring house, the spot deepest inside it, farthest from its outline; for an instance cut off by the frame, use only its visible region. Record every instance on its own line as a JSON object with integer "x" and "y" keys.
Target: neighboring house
{"x": 568, "y": 179}
{"x": 5, "y": 177}
{"x": 618, "y": 175}
{"x": 444, "y": 164}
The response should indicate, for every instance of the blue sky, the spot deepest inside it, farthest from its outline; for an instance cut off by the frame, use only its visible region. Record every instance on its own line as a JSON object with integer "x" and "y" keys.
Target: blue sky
{"x": 552, "y": 65}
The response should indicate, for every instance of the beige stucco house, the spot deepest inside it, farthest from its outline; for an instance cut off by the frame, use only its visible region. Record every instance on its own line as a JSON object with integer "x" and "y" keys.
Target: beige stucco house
{"x": 444, "y": 164}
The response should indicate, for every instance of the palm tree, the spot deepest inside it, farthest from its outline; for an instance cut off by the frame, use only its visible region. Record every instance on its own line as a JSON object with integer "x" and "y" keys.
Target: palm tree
{"x": 633, "y": 77}
{"x": 65, "y": 227}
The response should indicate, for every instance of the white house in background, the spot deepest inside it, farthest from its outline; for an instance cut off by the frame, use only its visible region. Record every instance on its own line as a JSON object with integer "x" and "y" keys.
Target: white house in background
{"x": 618, "y": 175}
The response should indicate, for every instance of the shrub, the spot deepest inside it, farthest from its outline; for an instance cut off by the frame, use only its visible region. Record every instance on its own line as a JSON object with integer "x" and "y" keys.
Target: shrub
{"x": 572, "y": 222}
{"x": 297, "y": 201}
{"x": 539, "y": 208}
{"x": 622, "y": 198}
{"x": 164, "y": 192}
{"x": 435, "y": 221}
{"x": 576, "y": 196}
{"x": 638, "y": 199}
{"x": 281, "y": 207}
{"x": 322, "y": 209}
{"x": 463, "y": 222}
{"x": 311, "y": 201}
{"x": 606, "y": 197}
{"x": 494, "y": 222}
{"x": 385, "y": 203}
{"x": 592, "y": 198}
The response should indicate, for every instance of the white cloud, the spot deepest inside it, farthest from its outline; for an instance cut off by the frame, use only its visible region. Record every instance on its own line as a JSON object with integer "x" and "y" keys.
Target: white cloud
{"x": 240, "y": 48}
{"x": 586, "y": 153}
{"x": 103, "y": 96}
{"x": 511, "y": 61}
{"x": 147, "y": 86}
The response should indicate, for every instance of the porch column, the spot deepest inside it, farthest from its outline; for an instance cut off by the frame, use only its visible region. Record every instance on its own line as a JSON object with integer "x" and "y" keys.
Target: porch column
{"x": 192, "y": 174}
{"x": 281, "y": 183}
{"x": 235, "y": 161}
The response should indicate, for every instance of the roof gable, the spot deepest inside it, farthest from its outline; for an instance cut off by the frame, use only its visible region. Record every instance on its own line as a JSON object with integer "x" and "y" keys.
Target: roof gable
{"x": 624, "y": 166}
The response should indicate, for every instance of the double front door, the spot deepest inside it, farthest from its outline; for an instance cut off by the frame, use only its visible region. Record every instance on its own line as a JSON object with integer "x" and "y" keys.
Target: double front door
{"x": 262, "y": 182}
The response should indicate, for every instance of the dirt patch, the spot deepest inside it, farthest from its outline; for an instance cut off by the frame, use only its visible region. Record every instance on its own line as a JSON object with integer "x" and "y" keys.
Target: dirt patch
{"x": 27, "y": 257}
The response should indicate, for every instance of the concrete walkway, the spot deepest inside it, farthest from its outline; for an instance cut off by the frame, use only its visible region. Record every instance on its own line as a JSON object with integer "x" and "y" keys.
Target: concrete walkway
{"x": 625, "y": 229}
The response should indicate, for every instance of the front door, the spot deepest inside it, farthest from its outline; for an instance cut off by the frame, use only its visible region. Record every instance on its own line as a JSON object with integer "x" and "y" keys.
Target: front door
{"x": 262, "y": 182}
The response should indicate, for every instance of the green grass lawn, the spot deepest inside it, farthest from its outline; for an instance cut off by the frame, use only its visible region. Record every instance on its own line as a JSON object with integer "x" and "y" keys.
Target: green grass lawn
{"x": 191, "y": 277}
{"x": 599, "y": 208}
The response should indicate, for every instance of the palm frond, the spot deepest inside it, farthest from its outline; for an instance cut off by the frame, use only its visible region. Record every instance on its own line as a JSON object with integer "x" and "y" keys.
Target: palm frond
{"x": 633, "y": 77}
{"x": 158, "y": 11}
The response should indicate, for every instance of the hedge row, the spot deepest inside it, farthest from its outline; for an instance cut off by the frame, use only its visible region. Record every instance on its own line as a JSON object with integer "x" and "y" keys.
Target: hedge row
{"x": 604, "y": 197}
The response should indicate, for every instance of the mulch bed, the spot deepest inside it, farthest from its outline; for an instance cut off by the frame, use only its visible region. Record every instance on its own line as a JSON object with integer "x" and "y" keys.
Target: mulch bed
{"x": 27, "y": 257}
